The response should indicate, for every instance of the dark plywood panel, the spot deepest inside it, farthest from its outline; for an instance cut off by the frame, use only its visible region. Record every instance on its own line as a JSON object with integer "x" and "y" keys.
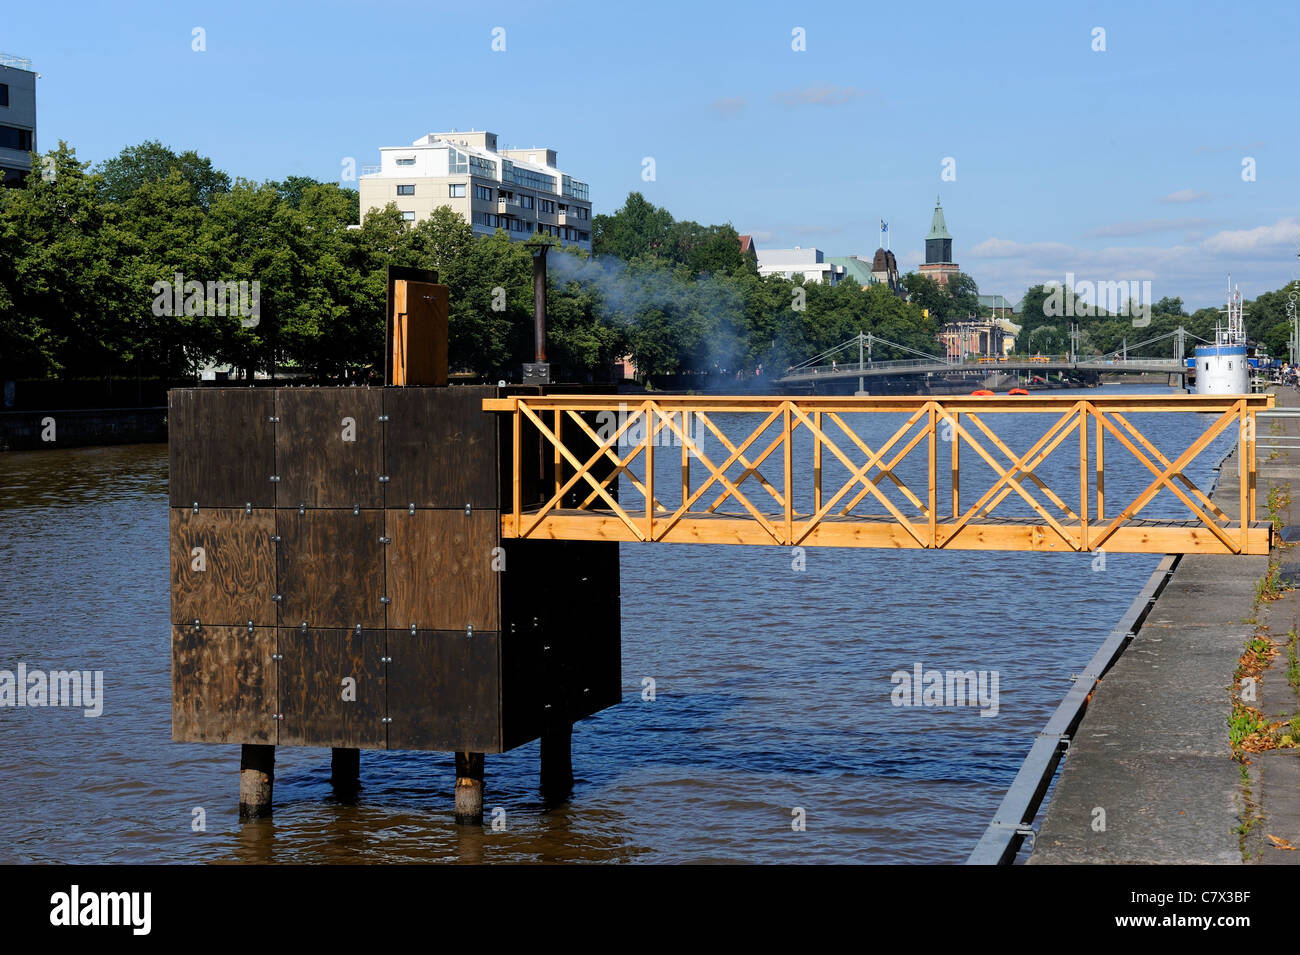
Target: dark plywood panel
{"x": 444, "y": 691}
{"x": 593, "y": 568}
{"x": 526, "y": 690}
{"x": 331, "y": 568}
{"x": 329, "y": 447}
{"x": 231, "y": 580}
{"x": 439, "y": 569}
{"x": 318, "y": 706}
{"x": 560, "y": 659}
{"x": 596, "y": 651}
{"x": 440, "y": 447}
{"x": 221, "y": 447}
{"x": 223, "y": 685}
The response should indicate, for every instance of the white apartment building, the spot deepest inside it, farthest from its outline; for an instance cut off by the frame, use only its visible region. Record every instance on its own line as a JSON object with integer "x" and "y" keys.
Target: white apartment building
{"x": 519, "y": 190}
{"x": 17, "y": 118}
{"x": 809, "y": 263}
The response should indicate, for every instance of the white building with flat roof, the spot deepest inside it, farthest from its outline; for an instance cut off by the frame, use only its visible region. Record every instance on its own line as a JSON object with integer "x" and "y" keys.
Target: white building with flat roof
{"x": 519, "y": 190}
{"x": 810, "y": 263}
{"x": 17, "y": 118}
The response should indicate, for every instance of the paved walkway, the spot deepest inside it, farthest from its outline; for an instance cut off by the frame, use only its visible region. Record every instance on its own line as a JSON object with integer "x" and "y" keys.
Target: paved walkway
{"x": 1149, "y": 776}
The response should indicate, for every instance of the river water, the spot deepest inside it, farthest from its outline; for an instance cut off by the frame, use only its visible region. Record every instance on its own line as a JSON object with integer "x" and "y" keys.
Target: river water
{"x": 772, "y": 698}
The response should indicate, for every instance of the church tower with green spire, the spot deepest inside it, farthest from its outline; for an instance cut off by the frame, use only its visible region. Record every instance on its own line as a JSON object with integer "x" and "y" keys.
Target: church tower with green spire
{"x": 938, "y": 249}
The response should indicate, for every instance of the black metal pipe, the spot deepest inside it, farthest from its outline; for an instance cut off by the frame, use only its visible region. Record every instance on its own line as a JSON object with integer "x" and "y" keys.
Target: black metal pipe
{"x": 539, "y": 302}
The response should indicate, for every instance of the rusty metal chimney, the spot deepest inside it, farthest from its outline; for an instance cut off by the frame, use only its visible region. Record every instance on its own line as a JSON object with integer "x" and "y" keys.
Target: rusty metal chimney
{"x": 538, "y": 372}
{"x": 539, "y": 302}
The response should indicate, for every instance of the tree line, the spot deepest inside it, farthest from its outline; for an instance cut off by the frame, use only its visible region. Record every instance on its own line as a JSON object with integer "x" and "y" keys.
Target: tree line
{"x": 83, "y": 250}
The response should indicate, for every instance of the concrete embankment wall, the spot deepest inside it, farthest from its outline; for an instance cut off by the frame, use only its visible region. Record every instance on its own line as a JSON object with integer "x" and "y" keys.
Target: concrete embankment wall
{"x": 38, "y": 430}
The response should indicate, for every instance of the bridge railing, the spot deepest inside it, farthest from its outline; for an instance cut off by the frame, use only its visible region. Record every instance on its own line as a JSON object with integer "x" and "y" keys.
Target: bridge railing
{"x": 981, "y": 363}
{"x": 850, "y": 367}
{"x": 583, "y": 467}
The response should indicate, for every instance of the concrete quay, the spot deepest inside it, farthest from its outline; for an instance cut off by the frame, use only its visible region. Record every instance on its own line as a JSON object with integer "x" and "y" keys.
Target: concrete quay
{"x": 1149, "y": 777}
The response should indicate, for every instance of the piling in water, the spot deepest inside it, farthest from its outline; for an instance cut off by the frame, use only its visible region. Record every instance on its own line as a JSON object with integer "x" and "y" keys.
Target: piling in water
{"x": 256, "y": 780}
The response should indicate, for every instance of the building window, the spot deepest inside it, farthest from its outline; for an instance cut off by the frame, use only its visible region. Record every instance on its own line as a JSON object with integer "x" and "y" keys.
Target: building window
{"x": 526, "y": 177}
{"x": 11, "y": 137}
{"x": 408, "y": 216}
{"x": 483, "y": 192}
{"x": 575, "y": 188}
{"x": 456, "y": 190}
{"x": 546, "y": 205}
{"x": 526, "y": 202}
{"x": 406, "y": 190}
{"x": 406, "y": 162}
{"x": 4, "y": 94}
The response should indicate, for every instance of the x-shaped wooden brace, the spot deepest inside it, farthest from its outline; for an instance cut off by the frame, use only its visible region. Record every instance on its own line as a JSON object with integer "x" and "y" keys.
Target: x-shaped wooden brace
{"x": 859, "y": 474}
{"x": 621, "y": 465}
{"x": 750, "y": 469}
{"x": 887, "y": 469}
{"x": 1164, "y": 479}
{"x": 580, "y": 470}
{"x": 718, "y": 474}
{"x": 1024, "y": 464}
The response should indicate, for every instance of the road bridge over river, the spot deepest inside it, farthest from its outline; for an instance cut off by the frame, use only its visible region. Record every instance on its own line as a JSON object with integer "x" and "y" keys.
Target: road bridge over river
{"x": 854, "y": 359}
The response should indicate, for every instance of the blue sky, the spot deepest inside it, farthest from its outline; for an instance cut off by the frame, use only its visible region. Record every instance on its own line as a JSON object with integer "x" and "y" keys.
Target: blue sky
{"x": 1117, "y": 164}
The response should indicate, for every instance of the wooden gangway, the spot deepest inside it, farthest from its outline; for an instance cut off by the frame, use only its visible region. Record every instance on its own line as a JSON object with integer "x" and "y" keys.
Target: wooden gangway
{"x": 569, "y": 452}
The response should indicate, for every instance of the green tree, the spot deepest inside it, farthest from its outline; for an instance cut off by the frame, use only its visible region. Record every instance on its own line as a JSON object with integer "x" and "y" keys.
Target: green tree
{"x": 65, "y": 286}
{"x": 965, "y": 295}
{"x": 639, "y": 228}
{"x": 151, "y": 160}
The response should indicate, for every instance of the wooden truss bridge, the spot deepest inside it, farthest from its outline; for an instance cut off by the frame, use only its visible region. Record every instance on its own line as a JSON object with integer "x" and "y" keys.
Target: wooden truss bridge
{"x": 584, "y": 468}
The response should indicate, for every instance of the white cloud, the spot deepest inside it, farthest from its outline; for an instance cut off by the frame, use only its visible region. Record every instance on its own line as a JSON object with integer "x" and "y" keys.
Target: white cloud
{"x": 1280, "y": 235}
{"x": 824, "y": 95}
{"x": 729, "y": 105}
{"x": 1260, "y": 259}
{"x": 1185, "y": 195}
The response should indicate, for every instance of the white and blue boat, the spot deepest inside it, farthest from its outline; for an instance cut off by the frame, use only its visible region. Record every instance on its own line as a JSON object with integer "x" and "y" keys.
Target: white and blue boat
{"x": 1223, "y": 367}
